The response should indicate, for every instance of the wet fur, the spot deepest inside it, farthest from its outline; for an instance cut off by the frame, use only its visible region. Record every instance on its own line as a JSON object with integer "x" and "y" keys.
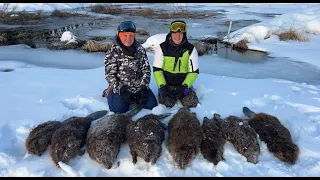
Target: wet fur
{"x": 105, "y": 138}
{"x": 276, "y": 136}
{"x": 68, "y": 140}
{"x": 243, "y": 137}
{"x": 39, "y": 137}
{"x": 184, "y": 137}
{"x": 213, "y": 142}
{"x": 145, "y": 137}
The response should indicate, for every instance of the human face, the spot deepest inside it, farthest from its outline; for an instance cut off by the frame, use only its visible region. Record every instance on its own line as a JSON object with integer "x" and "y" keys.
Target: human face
{"x": 177, "y": 37}
{"x": 127, "y": 38}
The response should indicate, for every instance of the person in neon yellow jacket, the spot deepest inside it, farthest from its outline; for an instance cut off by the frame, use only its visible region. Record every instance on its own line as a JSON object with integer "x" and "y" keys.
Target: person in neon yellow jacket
{"x": 175, "y": 68}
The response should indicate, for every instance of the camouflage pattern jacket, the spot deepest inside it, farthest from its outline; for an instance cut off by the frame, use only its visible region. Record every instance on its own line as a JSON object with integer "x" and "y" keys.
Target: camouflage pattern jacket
{"x": 121, "y": 69}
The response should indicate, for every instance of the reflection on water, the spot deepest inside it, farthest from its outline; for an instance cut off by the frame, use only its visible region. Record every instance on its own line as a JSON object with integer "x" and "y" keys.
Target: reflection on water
{"x": 258, "y": 65}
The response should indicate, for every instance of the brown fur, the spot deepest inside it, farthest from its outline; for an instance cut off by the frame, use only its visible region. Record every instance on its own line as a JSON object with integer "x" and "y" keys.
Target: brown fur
{"x": 276, "y": 136}
{"x": 145, "y": 137}
{"x": 189, "y": 101}
{"x": 242, "y": 136}
{"x": 105, "y": 138}
{"x": 184, "y": 137}
{"x": 68, "y": 140}
{"x": 40, "y": 137}
{"x": 213, "y": 142}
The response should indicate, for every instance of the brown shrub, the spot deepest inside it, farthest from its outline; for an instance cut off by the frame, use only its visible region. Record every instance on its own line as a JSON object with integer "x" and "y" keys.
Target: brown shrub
{"x": 3, "y": 39}
{"x": 163, "y": 15}
{"x": 92, "y": 46}
{"x": 98, "y": 38}
{"x": 210, "y": 40}
{"x": 113, "y": 10}
{"x": 187, "y": 14}
{"x": 142, "y": 32}
{"x": 61, "y": 14}
{"x": 24, "y": 35}
{"x": 146, "y": 12}
{"x": 106, "y": 9}
{"x": 241, "y": 44}
{"x": 19, "y": 17}
{"x": 201, "y": 47}
{"x": 292, "y": 34}
{"x": 98, "y": 8}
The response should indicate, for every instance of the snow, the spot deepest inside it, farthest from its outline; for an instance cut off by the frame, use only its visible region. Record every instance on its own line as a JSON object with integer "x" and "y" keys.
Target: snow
{"x": 54, "y": 85}
{"x": 68, "y": 37}
{"x": 307, "y": 24}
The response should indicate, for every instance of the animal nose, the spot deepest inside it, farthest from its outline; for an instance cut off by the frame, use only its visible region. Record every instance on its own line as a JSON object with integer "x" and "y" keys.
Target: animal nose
{"x": 253, "y": 159}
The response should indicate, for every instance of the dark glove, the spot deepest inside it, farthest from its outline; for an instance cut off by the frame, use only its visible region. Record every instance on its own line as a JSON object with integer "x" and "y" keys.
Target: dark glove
{"x": 181, "y": 91}
{"x": 165, "y": 91}
{"x": 143, "y": 95}
{"x": 127, "y": 96}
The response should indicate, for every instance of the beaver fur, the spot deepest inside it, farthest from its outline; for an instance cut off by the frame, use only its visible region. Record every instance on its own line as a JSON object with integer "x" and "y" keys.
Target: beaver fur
{"x": 242, "y": 136}
{"x": 274, "y": 134}
{"x": 213, "y": 141}
{"x": 105, "y": 137}
{"x": 39, "y": 137}
{"x": 184, "y": 137}
{"x": 145, "y": 137}
{"x": 67, "y": 141}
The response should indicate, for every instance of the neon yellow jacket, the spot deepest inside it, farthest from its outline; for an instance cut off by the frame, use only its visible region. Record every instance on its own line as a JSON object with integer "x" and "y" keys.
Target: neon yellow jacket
{"x": 175, "y": 65}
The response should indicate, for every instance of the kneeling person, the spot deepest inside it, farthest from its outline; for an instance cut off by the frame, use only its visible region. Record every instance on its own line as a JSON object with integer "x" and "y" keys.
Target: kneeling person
{"x": 175, "y": 68}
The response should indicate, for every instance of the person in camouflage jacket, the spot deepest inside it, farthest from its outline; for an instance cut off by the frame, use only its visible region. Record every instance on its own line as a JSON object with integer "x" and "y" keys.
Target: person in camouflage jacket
{"x": 127, "y": 71}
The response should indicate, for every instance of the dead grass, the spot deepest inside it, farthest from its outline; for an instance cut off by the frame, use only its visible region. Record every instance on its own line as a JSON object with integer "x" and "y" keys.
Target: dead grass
{"x": 24, "y": 35}
{"x": 98, "y": 38}
{"x": 61, "y": 14}
{"x": 187, "y": 14}
{"x": 210, "y": 40}
{"x": 201, "y": 47}
{"x": 21, "y": 16}
{"x": 106, "y": 9}
{"x": 242, "y": 44}
{"x": 146, "y": 12}
{"x": 93, "y": 46}
{"x": 142, "y": 32}
{"x": 3, "y": 39}
{"x": 292, "y": 34}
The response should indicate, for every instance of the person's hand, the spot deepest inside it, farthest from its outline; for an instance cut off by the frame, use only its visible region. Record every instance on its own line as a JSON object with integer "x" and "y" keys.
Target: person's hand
{"x": 181, "y": 91}
{"x": 127, "y": 96}
{"x": 165, "y": 91}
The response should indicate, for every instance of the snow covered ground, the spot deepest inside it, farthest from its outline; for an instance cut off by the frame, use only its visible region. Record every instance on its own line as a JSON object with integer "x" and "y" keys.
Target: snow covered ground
{"x": 47, "y": 85}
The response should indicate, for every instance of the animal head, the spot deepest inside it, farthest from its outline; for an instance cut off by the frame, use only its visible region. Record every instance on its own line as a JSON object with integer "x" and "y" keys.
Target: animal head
{"x": 252, "y": 153}
{"x": 65, "y": 150}
{"x": 286, "y": 151}
{"x": 33, "y": 147}
{"x": 213, "y": 156}
{"x": 251, "y": 149}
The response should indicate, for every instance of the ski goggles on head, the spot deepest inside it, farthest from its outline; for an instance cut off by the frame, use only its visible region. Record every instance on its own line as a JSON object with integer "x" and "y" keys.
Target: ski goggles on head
{"x": 178, "y": 27}
{"x": 127, "y": 26}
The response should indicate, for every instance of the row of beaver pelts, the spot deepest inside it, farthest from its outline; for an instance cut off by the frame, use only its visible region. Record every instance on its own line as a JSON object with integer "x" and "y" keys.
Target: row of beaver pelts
{"x": 186, "y": 138}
